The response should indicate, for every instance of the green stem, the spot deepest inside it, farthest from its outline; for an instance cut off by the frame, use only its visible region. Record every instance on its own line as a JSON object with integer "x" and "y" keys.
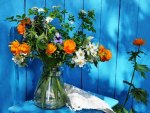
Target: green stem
{"x": 129, "y": 90}
{"x": 127, "y": 97}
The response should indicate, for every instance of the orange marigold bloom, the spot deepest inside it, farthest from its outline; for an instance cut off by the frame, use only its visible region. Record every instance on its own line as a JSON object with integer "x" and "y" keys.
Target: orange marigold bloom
{"x": 101, "y": 49}
{"x": 21, "y": 29}
{"x": 51, "y": 48}
{"x": 69, "y": 46}
{"x": 104, "y": 54}
{"x": 26, "y": 21}
{"x": 24, "y": 48}
{"x": 139, "y": 42}
{"x": 108, "y": 55}
{"x": 14, "y": 47}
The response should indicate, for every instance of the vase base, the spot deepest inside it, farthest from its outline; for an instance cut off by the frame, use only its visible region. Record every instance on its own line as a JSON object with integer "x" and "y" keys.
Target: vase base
{"x": 49, "y": 106}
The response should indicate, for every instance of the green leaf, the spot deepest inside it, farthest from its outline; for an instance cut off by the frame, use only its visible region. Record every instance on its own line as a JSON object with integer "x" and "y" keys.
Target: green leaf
{"x": 142, "y": 69}
{"x": 87, "y": 40}
{"x": 41, "y": 42}
{"x": 11, "y": 19}
{"x": 143, "y": 75}
{"x": 130, "y": 84}
{"x": 120, "y": 109}
{"x": 71, "y": 17}
{"x": 91, "y": 14}
{"x": 140, "y": 95}
{"x": 132, "y": 111}
{"x": 133, "y": 55}
{"x": 95, "y": 63}
{"x": 18, "y": 16}
{"x": 125, "y": 111}
{"x": 23, "y": 16}
{"x": 64, "y": 11}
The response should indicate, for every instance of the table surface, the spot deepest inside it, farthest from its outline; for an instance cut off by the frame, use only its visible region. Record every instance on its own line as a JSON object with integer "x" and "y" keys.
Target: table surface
{"x": 29, "y": 107}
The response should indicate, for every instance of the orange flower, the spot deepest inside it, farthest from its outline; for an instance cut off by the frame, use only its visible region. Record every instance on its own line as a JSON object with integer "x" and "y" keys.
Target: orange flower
{"x": 51, "y": 48}
{"x": 139, "y": 42}
{"x": 69, "y": 46}
{"x": 24, "y": 48}
{"x": 104, "y": 54}
{"x": 108, "y": 55}
{"x": 21, "y": 29}
{"x": 14, "y": 47}
{"x": 26, "y": 21}
{"x": 101, "y": 49}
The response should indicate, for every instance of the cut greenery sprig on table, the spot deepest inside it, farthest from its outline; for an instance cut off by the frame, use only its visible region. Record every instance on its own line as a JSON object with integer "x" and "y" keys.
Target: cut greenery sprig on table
{"x": 139, "y": 94}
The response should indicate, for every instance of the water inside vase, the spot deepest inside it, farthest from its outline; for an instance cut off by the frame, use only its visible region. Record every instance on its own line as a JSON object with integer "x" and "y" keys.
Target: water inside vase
{"x": 50, "y": 93}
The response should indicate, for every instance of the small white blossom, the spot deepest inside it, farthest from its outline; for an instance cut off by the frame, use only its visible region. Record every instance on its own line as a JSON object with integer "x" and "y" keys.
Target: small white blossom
{"x": 78, "y": 61}
{"x": 41, "y": 10}
{"x": 57, "y": 34}
{"x": 18, "y": 59}
{"x": 92, "y": 49}
{"x": 80, "y": 58}
{"x": 48, "y": 19}
{"x": 83, "y": 11}
{"x": 80, "y": 54}
{"x": 34, "y": 8}
{"x": 71, "y": 22}
{"x": 24, "y": 54}
{"x": 94, "y": 53}
{"x": 55, "y": 6}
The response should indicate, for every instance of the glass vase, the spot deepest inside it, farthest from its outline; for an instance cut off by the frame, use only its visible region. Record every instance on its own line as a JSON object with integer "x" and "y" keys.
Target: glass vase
{"x": 50, "y": 93}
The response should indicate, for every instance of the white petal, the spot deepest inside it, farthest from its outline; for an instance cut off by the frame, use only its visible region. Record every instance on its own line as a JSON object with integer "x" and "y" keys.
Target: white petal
{"x": 83, "y": 11}
{"x": 71, "y": 22}
{"x": 57, "y": 34}
{"x": 34, "y": 8}
{"x": 41, "y": 10}
{"x": 48, "y": 19}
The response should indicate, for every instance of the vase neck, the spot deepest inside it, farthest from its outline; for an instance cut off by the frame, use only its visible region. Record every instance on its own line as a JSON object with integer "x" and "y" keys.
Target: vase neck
{"x": 51, "y": 71}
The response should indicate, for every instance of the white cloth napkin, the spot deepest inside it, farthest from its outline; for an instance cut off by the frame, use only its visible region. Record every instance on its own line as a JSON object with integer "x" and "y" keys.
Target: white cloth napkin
{"x": 80, "y": 99}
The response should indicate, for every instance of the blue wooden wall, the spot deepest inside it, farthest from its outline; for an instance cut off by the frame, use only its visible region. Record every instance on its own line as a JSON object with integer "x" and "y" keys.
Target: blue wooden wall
{"x": 118, "y": 22}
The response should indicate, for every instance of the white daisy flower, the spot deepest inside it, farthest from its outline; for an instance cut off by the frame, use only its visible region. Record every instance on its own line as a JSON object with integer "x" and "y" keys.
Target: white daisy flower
{"x": 92, "y": 49}
{"x": 41, "y": 10}
{"x": 48, "y": 19}
{"x": 78, "y": 61}
{"x": 80, "y": 54}
{"x": 34, "y": 8}
{"x": 94, "y": 53}
{"x": 83, "y": 11}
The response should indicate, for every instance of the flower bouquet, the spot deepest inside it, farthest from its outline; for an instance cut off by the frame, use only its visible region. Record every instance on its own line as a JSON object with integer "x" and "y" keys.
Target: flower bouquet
{"x": 54, "y": 46}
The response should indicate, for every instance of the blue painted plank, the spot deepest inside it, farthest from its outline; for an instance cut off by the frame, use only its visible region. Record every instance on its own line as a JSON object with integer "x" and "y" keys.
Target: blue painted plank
{"x": 108, "y": 38}
{"x": 73, "y": 76}
{"x": 143, "y": 32}
{"x": 34, "y": 67}
{"x": 6, "y": 64}
{"x": 20, "y": 73}
{"x": 127, "y": 33}
{"x": 90, "y": 73}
